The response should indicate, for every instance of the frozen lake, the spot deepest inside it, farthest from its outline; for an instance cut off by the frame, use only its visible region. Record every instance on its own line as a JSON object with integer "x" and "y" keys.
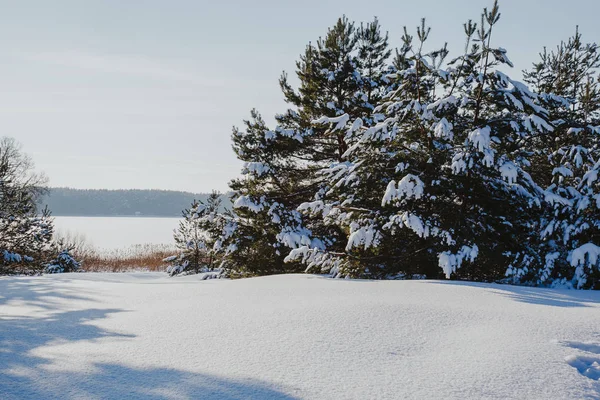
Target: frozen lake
{"x": 118, "y": 232}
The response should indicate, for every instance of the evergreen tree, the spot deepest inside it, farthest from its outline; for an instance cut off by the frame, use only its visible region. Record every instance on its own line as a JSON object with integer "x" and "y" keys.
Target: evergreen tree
{"x": 496, "y": 117}
{"x": 567, "y": 82}
{"x": 25, "y": 235}
{"x": 355, "y": 201}
{"x": 63, "y": 262}
{"x": 416, "y": 168}
{"x": 283, "y": 166}
{"x": 357, "y": 93}
{"x": 427, "y": 183}
{"x": 196, "y": 236}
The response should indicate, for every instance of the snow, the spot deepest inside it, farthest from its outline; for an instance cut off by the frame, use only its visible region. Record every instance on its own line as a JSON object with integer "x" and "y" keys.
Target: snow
{"x": 578, "y": 255}
{"x": 291, "y": 133}
{"x": 246, "y": 202}
{"x": 360, "y": 235}
{"x": 443, "y": 103}
{"x": 509, "y": 172}
{"x": 512, "y": 99}
{"x": 443, "y": 130}
{"x": 294, "y": 239}
{"x": 409, "y": 220}
{"x": 147, "y": 336}
{"x": 9, "y": 257}
{"x": 257, "y": 168}
{"x": 587, "y": 254}
{"x": 535, "y": 123}
{"x": 410, "y": 186}
{"x": 481, "y": 140}
{"x": 553, "y": 199}
{"x": 562, "y": 170}
{"x": 449, "y": 262}
{"x": 356, "y": 125}
{"x": 458, "y": 164}
{"x": 590, "y": 177}
{"x": 340, "y": 122}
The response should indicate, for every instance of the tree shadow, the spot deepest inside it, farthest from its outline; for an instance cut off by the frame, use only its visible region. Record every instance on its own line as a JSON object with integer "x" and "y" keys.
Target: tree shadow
{"x": 38, "y": 292}
{"x": 24, "y": 374}
{"x": 114, "y": 381}
{"x": 540, "y": 296}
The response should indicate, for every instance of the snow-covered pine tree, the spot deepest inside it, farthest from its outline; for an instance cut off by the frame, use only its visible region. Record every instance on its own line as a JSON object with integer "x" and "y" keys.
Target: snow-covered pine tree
{"x": 264, "y": 200}
{"x": 283, "y": 166}
{"x": 345, "y": 79}
{"x": 25, "y": 234}
{"x": 350, "y": 73}
{"x": 396, "y": 145}
{"x": 448, "y": 168}
{"x": 25, "y": 237}
{"x": 196, "y": 236}
{"x": 495, "y": 119}
{"x": 373, "y": 65}
{"x": 567, "y": 82}
{"x": 63, "y": 262}
{"x": 330, "y": 84}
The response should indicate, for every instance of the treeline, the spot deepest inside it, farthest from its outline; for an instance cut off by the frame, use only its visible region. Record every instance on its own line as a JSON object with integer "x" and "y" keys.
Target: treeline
{"x": 103, "y": 202}
{"x": 406, "y": 164}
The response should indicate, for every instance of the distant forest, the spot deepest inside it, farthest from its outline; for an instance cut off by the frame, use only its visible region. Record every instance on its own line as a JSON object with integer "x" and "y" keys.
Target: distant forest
{"x": 131, "y": 202}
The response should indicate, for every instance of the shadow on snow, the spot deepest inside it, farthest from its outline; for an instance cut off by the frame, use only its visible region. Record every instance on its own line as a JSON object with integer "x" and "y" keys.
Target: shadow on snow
{"x": 23, "y": 375}
{"x": 541, "y": 296}
{"x": 588, "y": 363}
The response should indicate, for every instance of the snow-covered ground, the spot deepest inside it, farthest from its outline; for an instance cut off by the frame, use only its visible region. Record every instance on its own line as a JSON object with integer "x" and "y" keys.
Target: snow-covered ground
{"x": 143, "y": 335}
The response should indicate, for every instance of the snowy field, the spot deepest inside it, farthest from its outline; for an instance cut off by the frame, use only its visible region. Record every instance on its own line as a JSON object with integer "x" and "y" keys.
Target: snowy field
{"x": 146, "y": 336}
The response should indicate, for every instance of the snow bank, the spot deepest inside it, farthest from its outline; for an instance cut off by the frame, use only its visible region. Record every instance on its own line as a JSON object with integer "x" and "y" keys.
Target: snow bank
{"x": 146, "y": 336}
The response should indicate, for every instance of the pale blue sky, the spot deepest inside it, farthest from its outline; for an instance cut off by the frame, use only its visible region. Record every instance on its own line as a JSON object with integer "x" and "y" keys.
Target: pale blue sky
{"x": 143, "y": 94}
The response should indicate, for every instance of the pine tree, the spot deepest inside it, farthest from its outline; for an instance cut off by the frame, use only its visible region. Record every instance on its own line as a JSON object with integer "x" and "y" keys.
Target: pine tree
{"x": 357, "y": 92}
{"x": 567, "y": 82}
{"x": 416, "y": 168}
{"x": 196, "y": 236}
{"x": 356, "y": 194}
{"x": 263, "y": 199}
{"x": 25, "y": 235}
{"x": 63, "y": 262}
{"x": 441, "y": 166}
{"x": 498, "y": 116}
{"x": 283, "y": 166}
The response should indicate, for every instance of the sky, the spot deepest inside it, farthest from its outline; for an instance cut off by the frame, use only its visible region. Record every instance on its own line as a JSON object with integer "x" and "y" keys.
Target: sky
{"x": 143, "y": 94}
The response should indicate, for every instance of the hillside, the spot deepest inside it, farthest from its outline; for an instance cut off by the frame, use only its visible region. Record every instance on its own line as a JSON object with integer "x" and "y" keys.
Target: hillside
{"x": 147, "y": 336}
{"x": 103, "y": 202}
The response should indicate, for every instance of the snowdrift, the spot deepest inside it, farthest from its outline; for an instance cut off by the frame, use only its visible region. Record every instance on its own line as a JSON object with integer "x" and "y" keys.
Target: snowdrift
{"x": 146, "y": 336}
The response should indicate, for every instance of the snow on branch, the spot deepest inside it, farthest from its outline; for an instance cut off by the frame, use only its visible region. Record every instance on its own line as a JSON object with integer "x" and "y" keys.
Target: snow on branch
{"x": 410, "y": 186}
{"x": 449, "y": 262}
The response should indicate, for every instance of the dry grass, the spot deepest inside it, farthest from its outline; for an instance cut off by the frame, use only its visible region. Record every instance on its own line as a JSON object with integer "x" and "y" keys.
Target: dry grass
{"x": 143, "y": 257}
{"x": 135, "y": 258}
